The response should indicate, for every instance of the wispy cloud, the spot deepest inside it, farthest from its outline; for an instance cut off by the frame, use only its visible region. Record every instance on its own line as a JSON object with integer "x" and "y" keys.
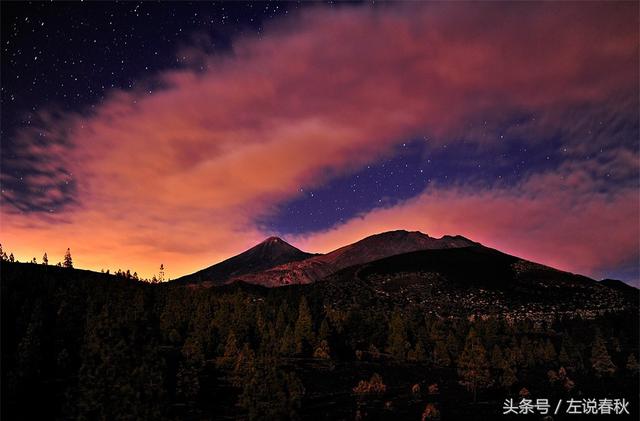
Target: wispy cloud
{"x": 179, "y": 169}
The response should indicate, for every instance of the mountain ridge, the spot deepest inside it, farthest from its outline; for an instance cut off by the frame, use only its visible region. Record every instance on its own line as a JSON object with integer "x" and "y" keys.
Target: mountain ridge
{"x": 274, "y": 262}
{"x": 368, "y": 249}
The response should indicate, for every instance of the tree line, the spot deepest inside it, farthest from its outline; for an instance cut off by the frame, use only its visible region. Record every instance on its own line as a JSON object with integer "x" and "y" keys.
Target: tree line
{"x": 67, "y": 262}
{"x": 129, "y": 350}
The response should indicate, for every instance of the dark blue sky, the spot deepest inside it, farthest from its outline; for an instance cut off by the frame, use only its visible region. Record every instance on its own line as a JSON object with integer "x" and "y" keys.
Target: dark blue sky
{"x": 408, "y": 172}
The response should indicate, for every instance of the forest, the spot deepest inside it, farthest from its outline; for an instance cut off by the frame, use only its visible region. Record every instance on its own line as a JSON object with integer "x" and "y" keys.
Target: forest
{"x": 91, "y": 346}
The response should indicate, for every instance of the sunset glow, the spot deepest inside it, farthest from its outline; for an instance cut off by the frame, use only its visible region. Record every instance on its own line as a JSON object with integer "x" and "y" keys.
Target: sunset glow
{"x": 524, "y": 130}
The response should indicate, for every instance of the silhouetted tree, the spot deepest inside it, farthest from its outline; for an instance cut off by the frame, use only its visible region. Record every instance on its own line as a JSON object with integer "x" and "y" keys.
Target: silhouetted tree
{"x": 473, "y": 367}
{"x": 508, "y": 371}
{"x": 68, "y": 262}
{"x": 600, "y": 358}
{"x": 441, "y": 355}
{"x": 45, "y": 259}
{"x": 287, "y": 342}
{"x": 187, "y": 382}
{"x": 271, "y": 393}
{"x": 11, "y": 258}
{"x": 325, "y": 331}
{"x": 304, "y": 327}
{"x": 397, "y": 342}
{"x": 161, "y": 273}
{"x": 497, "y": 359}
{"x": 632, "y": 364}
{"x": 549, "y": 352}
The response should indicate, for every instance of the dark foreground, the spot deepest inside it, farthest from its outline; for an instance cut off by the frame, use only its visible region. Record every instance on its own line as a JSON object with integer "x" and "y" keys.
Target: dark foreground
{"x": 84, "y": 345}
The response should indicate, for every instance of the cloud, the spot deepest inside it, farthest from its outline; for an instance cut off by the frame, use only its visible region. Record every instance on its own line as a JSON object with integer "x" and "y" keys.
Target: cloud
{"x": 559, "y": 219}
{"x": 178, "y": 170}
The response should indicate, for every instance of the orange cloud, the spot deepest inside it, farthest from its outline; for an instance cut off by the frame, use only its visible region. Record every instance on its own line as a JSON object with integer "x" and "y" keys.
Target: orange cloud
{"x": 180, "y": 174}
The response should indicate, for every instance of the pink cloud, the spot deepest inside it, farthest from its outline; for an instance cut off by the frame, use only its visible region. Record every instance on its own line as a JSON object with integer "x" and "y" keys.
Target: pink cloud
{"x": 179, "y": 175}
{"x": 545, "y": 219}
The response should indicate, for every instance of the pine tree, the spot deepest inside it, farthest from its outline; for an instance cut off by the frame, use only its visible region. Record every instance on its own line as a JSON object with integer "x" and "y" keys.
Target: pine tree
{"x": 187, "y": 382}
{"x": 68, "y": 262}
{"x": 325, "y": 330}
{"x": 453, "y": 347}
{"x": 419, "y": 353}
{"x": 509, "y": 374}
{"x": 11, "y": 258}
{"x": 497, "y": 359}
{"x": 244, "y": 366}
{"x": 398, "y": 343}
{"x": 563, "y": 357}
{"x": 549, "y": 354}
{"x": 600, "y": 358}
{"x": 473, "y": 367}
{"x": 527, "y": 350}
{"x": 45, "y": 259}
{"x": 441, "y": 355}
{"x": 161, "y": 273}
{"x": 231, "y": 346}
{"x": 632, "y": 364}
{"x": 287, "y": 343}
{"x": 304, "y": 328}
{"x": 573, "y": 359}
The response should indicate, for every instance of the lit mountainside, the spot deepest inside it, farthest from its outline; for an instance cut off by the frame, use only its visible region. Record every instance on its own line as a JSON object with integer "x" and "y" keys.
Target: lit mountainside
{"x": 450, "y": 275}
{"x": 274, "y": 262}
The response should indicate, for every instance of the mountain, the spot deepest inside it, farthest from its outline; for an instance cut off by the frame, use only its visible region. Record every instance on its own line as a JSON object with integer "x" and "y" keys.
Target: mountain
{"x": 371, "y": 248}
{"x": 472, "y": 280}
{"x": 615, "y": 283}
{"x": 271, "y": 252}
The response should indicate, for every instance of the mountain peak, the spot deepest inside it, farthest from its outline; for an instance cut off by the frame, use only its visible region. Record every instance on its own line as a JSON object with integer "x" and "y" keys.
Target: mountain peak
{"x": 274, "y": 240}
{"x": 387, "y": 244}
{"x": 271, "y": 252}
{"x": 275, "y": 245}
{"x": 400, "y": 234}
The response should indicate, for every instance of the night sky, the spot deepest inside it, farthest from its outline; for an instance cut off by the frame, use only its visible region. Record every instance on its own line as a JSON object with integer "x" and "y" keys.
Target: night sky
{"x": 141, "y": 133}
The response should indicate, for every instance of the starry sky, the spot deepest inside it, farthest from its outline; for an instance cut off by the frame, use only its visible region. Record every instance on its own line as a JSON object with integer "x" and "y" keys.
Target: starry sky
{"x": 182, "y": 133}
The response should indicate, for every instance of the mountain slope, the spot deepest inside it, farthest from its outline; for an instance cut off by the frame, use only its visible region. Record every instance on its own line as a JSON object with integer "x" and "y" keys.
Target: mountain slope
{"x": 615, "y": 283}
{"x": 369, "y": 249}
{"x": 271, "y": 252}
{"x": 472, "y": 280}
